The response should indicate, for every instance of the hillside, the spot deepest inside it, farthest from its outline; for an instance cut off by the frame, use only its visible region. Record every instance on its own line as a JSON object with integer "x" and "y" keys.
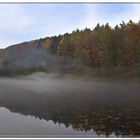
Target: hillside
{"x": 102, "y": 51}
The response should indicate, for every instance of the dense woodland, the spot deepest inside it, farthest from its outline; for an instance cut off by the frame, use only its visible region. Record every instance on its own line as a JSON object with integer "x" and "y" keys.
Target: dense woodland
{"x": 102, "y": 51}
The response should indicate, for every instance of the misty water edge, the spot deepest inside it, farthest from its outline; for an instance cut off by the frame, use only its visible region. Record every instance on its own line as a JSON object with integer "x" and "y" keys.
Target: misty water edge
{"x": 51, "y": 105}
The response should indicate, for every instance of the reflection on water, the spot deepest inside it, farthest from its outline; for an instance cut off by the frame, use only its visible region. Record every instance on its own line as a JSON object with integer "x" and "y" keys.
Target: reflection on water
{"x": 88, "y": 108}
{"x": 15, "y": 124}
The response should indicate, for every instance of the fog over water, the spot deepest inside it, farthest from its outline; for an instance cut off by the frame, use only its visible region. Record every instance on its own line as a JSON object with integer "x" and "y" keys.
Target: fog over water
{"x": 54, "y": 83}
{"x": 44, "y": 83}
{"x": 68, "y": 105}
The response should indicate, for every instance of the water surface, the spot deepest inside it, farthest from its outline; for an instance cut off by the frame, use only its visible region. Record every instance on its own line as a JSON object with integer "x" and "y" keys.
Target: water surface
{"x": 50, "y": 106}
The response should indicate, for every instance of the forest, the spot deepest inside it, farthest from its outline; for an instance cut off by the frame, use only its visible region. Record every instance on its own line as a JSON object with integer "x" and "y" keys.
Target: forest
{"x": 102, "y": 51}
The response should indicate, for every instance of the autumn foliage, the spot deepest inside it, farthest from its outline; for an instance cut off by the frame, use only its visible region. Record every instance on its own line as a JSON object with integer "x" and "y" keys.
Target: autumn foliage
{"x": 102, "y": 51}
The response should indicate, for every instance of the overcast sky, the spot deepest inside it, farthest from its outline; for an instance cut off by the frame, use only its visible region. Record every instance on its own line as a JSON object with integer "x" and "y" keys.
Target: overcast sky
{"x": 23, "y": 22}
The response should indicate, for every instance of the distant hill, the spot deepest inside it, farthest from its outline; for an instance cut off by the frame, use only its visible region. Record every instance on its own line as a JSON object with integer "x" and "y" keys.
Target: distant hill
{"x": 103, "y": 51}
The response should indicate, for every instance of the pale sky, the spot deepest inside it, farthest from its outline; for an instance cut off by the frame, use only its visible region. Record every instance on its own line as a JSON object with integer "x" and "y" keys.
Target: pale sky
{"x": 24, "y": 22}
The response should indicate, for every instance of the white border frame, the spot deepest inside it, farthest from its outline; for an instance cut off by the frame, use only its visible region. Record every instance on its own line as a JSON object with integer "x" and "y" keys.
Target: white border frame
{"x": 68, "y": 2}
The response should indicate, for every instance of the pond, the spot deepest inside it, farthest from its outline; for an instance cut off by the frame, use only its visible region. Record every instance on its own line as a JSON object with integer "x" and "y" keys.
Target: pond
{"x": 49, "y": 106}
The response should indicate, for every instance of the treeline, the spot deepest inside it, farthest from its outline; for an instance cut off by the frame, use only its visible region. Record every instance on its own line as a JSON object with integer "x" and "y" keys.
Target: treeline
{"x": 104, "y": 49}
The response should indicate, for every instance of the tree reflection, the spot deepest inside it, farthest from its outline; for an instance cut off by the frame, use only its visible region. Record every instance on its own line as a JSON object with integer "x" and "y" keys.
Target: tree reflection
{"x": 104, "y": 114}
